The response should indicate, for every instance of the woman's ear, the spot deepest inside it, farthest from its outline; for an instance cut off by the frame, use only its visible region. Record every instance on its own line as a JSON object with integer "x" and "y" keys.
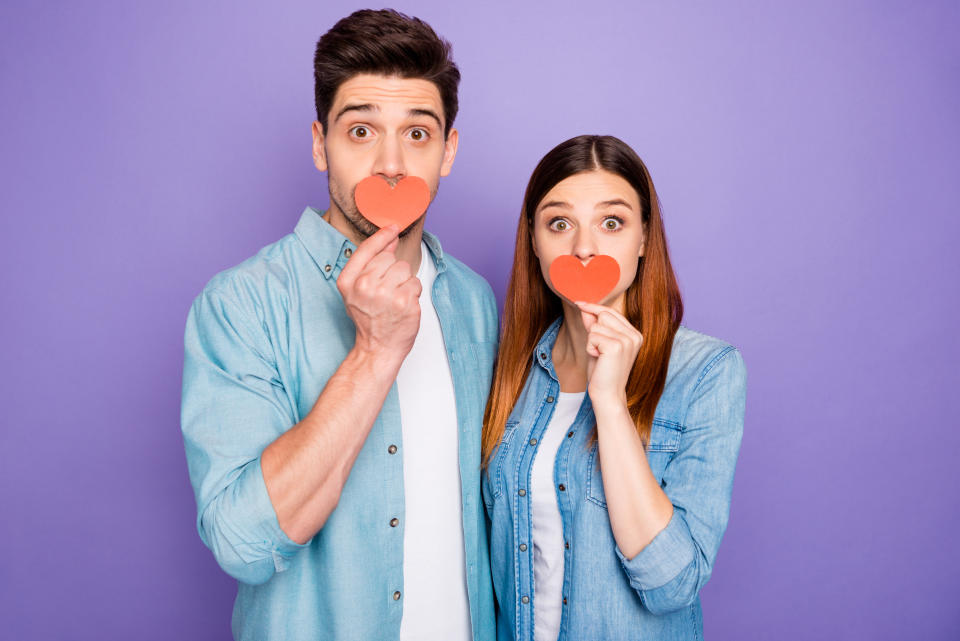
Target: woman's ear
{"x": 533, "y": 240}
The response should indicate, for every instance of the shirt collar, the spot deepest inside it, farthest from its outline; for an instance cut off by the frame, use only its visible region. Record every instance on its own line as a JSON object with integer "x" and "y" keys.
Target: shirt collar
{"x": 433, "y": 244}
{"x": 543, "y": 353}
{"x": 330, "y": 249}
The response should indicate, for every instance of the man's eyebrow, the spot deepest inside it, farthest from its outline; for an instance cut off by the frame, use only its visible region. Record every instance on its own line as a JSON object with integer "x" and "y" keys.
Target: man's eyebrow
{"x": 427, "y": 112}
{"x": 615, "y": 201}
{"x": 363, "y": 107}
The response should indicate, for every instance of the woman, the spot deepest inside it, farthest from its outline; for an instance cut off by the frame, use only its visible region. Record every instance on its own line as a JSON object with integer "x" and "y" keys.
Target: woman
{"x": 611, "y": 432}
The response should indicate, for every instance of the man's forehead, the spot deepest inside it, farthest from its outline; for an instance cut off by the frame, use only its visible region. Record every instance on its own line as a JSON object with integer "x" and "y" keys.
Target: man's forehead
{"x": 385, "y": 91}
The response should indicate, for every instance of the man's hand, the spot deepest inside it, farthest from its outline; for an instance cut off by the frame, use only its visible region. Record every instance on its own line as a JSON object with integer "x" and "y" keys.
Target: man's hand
{"x": 382, "y": 296}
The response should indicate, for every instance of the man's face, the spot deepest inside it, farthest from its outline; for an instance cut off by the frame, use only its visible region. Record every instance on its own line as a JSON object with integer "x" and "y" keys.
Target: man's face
{"x": 382, "y": 126}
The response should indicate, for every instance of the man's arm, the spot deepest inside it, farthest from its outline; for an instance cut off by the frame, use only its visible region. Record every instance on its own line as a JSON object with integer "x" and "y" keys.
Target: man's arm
{"x": 306, "y": 468}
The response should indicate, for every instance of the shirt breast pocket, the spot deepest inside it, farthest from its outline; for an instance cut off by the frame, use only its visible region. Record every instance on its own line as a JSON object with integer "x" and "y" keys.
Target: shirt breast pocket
{"x": 496, "y": 469}
{"x": 664, "y": 444}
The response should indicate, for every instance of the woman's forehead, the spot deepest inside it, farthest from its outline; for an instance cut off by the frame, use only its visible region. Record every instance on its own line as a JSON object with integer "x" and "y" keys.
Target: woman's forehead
{"x": 591, "y": 190}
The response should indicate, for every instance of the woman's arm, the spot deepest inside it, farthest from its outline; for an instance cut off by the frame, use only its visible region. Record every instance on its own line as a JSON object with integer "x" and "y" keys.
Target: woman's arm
{"x": 638, "y": 508}
{"x": 666, "y": 540}
{"x": 670, "y": 570}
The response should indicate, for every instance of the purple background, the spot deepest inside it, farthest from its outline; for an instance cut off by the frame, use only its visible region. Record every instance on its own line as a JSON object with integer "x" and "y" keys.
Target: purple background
{"x": 806, "y": 156}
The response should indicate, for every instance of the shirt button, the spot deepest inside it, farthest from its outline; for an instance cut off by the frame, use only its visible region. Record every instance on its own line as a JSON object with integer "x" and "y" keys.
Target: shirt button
{"x": 564, "y": 600}
{"x": 549, "y": 399}
{"x": 348, "y": 252}
{"x": 392, "y": 449}
{"x": 563, "y": 488}
{"x": 327, "y": 268}
{"x": 566, "y": 544}
{"x": 394, "y": 522}
{"x": 533, "y": 441}
{"x": 542, "y": 355}
{"x": 525, "y": 599}
{"x": 522, "y": 492}
{"x": 569, "y": 434}
{"x": 523, "y": 547}
{"x": 396, "y": 595}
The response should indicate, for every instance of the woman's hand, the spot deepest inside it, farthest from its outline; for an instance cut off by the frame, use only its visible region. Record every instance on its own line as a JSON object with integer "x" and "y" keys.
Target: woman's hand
{"x": 612, "y": 344}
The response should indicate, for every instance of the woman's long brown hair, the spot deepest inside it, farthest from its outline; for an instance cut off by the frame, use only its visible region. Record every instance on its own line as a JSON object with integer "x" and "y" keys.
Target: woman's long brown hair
{"x": 653, "y": 303}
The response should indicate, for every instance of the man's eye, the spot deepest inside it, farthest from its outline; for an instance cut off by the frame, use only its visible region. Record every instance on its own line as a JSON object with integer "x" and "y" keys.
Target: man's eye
{"x": 612, "y": 224}
{"x": 359, "y": 132}
{"x": 418, "y": 134}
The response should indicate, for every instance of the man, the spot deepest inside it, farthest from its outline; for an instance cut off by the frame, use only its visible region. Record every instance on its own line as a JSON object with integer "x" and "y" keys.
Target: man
{"x": 334, "y": 383}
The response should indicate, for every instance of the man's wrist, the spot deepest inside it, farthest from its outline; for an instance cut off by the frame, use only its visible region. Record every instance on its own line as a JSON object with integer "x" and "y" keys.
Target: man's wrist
{"x": 377, "y": 364}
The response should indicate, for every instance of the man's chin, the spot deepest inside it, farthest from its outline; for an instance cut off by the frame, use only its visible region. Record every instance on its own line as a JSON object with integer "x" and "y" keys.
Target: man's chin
{"x": 366, "y": 229}
{"x": 405, "y": 232}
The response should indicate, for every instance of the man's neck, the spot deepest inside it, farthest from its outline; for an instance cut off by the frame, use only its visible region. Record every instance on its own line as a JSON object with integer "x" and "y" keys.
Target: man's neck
{"x": 408, "y": 246}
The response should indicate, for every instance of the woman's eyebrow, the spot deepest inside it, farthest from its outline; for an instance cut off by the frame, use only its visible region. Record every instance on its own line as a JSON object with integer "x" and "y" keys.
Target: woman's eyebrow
{"x": 615, "y": 201}
{"x": 555, "y": 203}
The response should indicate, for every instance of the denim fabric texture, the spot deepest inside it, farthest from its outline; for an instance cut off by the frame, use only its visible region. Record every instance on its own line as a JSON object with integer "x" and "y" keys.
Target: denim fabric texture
{"x": 261, "y": 341}
{"x": 693, "y": 448}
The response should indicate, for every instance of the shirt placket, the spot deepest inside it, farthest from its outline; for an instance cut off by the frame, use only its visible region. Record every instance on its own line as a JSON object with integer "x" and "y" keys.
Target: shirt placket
{"x": 574, "y": 438}
{"x": 443, "y": 303}
{"x": 524, "y": 534}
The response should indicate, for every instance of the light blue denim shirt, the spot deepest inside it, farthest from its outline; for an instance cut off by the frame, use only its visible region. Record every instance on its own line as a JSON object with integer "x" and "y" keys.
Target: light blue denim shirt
{"x": 262, "y": 339}
{"x": 692, "y": 452}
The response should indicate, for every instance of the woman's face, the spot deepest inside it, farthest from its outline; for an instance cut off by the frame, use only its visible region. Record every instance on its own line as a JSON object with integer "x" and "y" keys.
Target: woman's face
{"x": 588, "y": 214}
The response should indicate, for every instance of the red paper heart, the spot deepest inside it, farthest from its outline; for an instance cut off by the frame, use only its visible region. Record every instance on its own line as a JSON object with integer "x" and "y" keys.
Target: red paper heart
{"x": 401, "y": 204}
{"x": 589, "y": 283}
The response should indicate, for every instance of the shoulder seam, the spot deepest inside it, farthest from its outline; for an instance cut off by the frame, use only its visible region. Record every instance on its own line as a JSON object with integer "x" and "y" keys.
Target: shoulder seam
{"x": 713, "y": 362}
{"x": 244, "y": 317}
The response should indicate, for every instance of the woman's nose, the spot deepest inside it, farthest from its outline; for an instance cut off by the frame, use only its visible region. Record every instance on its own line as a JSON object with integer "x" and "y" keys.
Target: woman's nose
{"x": 584, "y": 245}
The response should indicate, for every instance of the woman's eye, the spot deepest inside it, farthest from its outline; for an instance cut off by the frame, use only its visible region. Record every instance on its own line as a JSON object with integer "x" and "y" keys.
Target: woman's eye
{"x": 359, "y": 132}
{"x": 612, "y": 224}
{"x": 559, "y": 225}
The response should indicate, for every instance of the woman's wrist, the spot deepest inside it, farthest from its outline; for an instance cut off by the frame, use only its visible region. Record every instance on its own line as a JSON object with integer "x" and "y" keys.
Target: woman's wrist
{"x": 609, "y": 408}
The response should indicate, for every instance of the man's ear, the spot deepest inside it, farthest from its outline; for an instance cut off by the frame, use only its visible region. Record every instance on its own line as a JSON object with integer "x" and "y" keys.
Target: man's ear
{"x": 449, "y": 151}
{"x": 319, "y": 151}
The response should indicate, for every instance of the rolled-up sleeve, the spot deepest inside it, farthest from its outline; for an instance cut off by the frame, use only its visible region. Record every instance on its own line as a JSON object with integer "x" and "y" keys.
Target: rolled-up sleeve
{"x": 233, "y": 406}
{"x": 670, "y": 571}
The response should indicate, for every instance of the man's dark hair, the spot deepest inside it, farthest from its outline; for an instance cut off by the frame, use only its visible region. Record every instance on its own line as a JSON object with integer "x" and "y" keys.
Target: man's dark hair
{"x": 384, "y": 42}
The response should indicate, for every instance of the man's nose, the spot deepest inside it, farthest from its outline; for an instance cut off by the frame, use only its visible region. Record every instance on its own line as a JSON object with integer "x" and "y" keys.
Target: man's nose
{"x": 390, "y": 160}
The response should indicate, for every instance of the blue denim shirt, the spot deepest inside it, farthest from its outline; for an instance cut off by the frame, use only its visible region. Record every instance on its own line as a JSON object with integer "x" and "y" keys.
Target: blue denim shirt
{"x": 262, "y": 339}
{"x": 692, "y": 452}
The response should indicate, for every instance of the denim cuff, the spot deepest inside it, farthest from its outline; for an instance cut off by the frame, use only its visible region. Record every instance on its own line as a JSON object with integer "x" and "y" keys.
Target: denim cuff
{"x": 265, "y": 528}
{"x": 663, "y": 559}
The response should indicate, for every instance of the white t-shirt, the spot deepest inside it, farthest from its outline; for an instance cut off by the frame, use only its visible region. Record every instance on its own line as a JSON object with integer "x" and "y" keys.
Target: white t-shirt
{"x": 547, "y": 525}
{"x": 435, "y": 604}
